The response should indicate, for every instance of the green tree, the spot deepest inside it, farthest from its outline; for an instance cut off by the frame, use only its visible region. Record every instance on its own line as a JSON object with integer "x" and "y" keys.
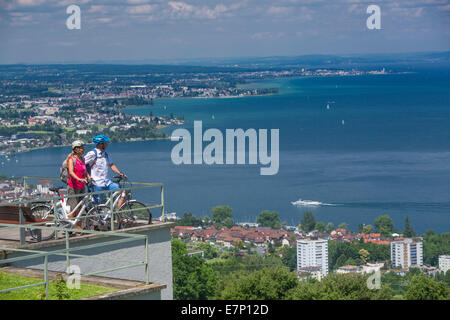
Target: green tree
{"x": 364, "y": 255}
{"x": 193, "y": 279}
{"x": 422, "y": 287}
{"x": 288, "y": 256}
{"x": 269, "y": 219}
{"x": 367, "y": 229}
{"x": 308, "y": 221}
{"x": 341, "y": 261}
{"x": 330, "y": 227}
{"x": 343, "y": 225}
{"x": 189, "y": 220}
{"x": 360, "y": 228}
{"x": 339, "y": 287}
{"x": 264, "y": 284}
{"x": 384, "y": 225}
{"x": 228, "y": 222}
{"x": 222, "y": 215}
{"x": 435, "y": 245}
{"x": 408, "y": 231}
{"x": 206, "y": 220}
{"x": 209, "y": 251}
{"x": 320, "y": 226}
{"x": 340, "y": 252}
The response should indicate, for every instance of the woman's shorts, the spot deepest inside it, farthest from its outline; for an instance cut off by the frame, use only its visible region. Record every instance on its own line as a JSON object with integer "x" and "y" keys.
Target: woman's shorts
{"x": 73, "y": 202}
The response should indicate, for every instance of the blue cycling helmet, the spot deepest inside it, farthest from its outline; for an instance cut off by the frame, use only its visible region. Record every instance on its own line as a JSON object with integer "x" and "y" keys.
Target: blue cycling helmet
{"x": 100, "y": 139}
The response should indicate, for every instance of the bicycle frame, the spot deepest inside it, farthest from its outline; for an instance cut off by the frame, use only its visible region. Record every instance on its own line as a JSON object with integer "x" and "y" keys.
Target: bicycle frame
{"x": 62, "y": 209}
{"x": 61, "y": 205}
{"x": 116, "y": 196}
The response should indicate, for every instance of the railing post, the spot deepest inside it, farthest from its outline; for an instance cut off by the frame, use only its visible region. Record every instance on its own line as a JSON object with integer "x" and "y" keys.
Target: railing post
{"x": 162, "y": 203}
{"x": 24, "y": 193}
{"x": 67, "y": 252}
{"x": 22, "y": 229}
{"x": 146, "y": 262}
{"x": 111, "y": 203}
{"x": 46, "y": 275}
{"x": 56, "y": 216}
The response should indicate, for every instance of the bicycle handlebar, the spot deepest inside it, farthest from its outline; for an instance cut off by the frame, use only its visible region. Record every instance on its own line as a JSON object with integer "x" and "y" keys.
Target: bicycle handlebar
{"x": 119, "y": 178}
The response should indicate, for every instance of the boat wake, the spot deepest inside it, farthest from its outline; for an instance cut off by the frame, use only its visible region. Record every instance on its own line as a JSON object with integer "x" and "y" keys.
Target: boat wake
{"x": 309, "y": 203}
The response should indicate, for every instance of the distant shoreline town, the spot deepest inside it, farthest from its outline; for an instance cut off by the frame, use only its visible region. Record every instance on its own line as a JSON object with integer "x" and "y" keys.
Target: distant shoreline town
{"x": 49, "y": 106}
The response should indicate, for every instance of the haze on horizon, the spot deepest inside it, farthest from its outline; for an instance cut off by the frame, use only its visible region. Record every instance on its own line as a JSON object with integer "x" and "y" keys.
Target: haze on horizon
{"x": 34, "y": 31}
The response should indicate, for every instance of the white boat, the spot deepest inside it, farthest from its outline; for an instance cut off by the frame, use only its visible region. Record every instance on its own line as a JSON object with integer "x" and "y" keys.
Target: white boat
{"x": 175, "y": 138}
{"x": 306, "y": 203}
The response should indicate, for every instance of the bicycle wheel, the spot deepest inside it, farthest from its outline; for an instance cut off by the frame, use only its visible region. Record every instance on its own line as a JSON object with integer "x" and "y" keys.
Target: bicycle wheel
{"x": 132, "y": 210}
{"x": 42, "y": 211}
{"x": 99, "y": 219}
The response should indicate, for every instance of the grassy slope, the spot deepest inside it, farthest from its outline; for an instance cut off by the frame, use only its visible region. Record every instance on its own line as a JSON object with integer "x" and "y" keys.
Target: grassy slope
{"x": 8, "y": 281}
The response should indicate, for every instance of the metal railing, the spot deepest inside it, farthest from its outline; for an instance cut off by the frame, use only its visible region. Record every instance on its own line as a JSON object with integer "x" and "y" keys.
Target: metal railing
{"x": 68, "y": 251}
{"x": 112, "y": 211}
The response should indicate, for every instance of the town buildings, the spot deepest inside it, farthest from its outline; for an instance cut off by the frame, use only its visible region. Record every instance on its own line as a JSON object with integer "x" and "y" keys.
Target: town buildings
{"x": 230, "y": 237}
{"x": 367, "y": 268}
{"x": 310, "y": 272}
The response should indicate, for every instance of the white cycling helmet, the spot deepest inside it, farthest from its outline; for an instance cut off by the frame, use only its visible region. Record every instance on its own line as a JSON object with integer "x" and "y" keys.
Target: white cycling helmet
{"x": 77, "y": 143}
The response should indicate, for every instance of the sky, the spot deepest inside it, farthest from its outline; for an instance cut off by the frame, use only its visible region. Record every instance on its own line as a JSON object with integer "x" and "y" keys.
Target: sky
{"x": 35, "y": 31}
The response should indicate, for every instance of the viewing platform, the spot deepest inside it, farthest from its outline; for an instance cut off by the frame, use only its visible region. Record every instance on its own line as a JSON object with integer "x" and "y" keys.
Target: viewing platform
{"x": 139, "y": 255}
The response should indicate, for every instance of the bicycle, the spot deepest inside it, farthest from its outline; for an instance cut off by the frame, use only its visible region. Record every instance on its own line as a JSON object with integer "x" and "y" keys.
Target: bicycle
{"x": 91, "y": 215}
{"x": 131, "y": 209}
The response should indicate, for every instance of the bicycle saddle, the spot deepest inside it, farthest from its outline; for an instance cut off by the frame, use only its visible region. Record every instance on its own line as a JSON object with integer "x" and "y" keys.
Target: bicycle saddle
{"x": 56, "y": 190}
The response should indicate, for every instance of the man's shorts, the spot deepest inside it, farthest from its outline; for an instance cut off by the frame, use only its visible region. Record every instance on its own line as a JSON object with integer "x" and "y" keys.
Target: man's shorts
{"x": 111, "y": 186}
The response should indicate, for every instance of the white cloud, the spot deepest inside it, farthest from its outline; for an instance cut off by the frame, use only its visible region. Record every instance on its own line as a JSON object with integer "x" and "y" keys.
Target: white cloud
{"x": 444, "y": 8}
{"x": 17, "y": 4}
{"x": 184, "y": 10}
{"x": 410, "y": 12}
{"x": 98, "y": 8}
{"x": 278, "y": 11}
{"x": 267, "y": 35}
{"x": 104, "y": 20}
{"x": 29, "y": 3}
{"x": 137, "y": 1}
{"x": 143, "y": 9}
{"x": 181, "y": 6}
{"x": 64, "y": 3}
{"x": 418, "y": 12}
{"x": 353, "y": 8}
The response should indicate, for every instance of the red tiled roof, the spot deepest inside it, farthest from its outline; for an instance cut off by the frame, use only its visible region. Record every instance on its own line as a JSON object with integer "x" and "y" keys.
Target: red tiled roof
{"x": 377, "y": 241}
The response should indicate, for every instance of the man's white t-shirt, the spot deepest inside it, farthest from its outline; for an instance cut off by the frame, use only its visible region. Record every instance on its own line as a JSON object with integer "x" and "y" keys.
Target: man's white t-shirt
{"x": 99, "y": 167}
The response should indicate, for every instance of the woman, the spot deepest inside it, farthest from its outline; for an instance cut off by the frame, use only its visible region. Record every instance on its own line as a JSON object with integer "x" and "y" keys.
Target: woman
{"x": 78, "y": 176}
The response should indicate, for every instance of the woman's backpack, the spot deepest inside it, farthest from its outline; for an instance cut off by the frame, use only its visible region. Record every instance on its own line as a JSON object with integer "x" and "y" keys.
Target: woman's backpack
{"x": 64, "y": 171}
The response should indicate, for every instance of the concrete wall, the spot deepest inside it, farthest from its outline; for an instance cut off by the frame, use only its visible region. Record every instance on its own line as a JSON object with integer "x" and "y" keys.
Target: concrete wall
{"x": 160, "y": 257}
{"x": 149, "y": 296}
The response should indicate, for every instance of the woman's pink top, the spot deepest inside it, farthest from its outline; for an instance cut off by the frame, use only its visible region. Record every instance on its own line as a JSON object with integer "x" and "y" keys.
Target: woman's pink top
{"x": 80, "y": 171}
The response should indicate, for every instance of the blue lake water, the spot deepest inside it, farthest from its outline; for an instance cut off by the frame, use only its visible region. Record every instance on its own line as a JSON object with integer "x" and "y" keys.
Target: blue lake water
{"x": 381, "y": 147}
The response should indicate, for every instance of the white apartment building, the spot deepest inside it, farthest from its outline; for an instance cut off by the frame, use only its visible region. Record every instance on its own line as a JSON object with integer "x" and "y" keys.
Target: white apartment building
{"x": 312, "y": 253}
{"x": 444, "y": 263}
{"x": 407, "y": 253}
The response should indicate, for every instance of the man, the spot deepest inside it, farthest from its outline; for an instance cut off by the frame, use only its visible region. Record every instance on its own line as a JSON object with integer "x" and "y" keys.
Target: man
{"x": 99, "y": 161}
